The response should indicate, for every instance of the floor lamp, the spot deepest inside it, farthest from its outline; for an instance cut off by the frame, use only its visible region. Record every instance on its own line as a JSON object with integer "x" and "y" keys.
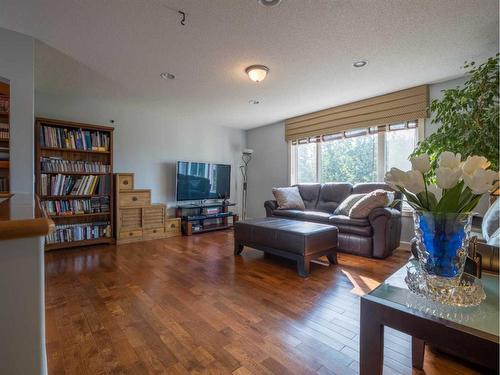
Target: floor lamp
{"x": 246, "y": 156}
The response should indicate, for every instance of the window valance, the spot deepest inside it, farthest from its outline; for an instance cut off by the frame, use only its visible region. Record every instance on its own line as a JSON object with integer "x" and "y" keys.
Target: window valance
{"x": 401, "y": 106}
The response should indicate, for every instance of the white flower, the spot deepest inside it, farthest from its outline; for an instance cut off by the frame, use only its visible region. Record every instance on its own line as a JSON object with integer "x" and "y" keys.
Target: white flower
{"x": 450, "y": 160}
{"x": 474, "y": 163}
{"x": 421, "y": 163}
{"x": 480, "y": 181}
{"x": 395, "y": 177}
{"x": 447, "y": 177}
{"x": 414, "y": 182}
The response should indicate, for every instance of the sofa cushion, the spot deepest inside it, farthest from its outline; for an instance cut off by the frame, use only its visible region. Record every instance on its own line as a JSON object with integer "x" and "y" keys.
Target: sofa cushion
{"x": 292, "y": 214}
{"x": 309, "y": 194}
{"x": 321, "y": 217}
{"x": 363, "y": 207}
{"x": 331, "y": 195}
{"x": 288, "y": 198}
{"x": 346, "y": 220}
{"x": 347, "y": 204}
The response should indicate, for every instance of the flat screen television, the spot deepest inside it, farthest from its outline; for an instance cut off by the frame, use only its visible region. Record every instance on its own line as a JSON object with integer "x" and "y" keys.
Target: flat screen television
{"x": 198, "y": 181}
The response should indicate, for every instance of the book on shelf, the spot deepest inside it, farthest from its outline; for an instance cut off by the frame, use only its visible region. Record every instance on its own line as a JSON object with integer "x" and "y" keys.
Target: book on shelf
{"x": 72, "y": 185}
{"x": 4, "y": 132}
{"x": 74, "y": 139}
{"x": 57, "y": 164}
{"x": 79, "y": 232}
{"x": 4, "y": 103}
{"x": 70, "y": 207}
{"x": 4, "y": 184}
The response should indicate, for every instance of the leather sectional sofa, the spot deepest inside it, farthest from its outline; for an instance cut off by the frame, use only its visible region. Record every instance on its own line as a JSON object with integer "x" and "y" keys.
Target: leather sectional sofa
{"x": 376, "y": 236}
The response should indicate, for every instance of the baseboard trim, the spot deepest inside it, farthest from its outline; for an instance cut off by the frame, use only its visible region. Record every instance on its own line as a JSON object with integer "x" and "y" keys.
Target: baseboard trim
{"x": 403, "y": 245}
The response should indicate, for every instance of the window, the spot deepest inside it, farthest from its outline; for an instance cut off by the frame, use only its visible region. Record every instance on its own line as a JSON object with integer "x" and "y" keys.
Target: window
{"x": 362, "y": 155}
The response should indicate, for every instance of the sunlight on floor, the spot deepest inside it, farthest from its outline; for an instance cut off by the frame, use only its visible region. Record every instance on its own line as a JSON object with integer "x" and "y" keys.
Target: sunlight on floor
{"x": 361, "y": 284}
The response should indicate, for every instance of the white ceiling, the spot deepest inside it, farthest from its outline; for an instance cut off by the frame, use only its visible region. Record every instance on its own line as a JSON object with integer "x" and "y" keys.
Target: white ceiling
{"x": 118, "y": 48}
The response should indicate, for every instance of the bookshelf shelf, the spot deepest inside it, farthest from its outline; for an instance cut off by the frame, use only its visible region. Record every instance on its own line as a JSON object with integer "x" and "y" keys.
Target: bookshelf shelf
{"x": 60, "y": 149}
{"x": 49, "y": 135}
{"x": 72, "y": 196}
{"x": 79, "y": 215}
{"x": 79, "y": 173}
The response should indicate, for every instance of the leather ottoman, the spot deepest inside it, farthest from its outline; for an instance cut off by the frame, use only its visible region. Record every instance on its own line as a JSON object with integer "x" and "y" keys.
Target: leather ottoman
{"x": 298, "y": 240}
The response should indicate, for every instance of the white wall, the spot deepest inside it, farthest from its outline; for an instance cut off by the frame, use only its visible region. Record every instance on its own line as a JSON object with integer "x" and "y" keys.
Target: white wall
{"x": 271, "y": 161}
{"x": 22, "y": 314}
{"x": 269, "y": 165}
{"x": 16, "y": 65}
{"x": 148, "y": 143}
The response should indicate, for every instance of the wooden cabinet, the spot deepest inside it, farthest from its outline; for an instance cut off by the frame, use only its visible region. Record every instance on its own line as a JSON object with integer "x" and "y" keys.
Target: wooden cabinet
{"x": 137, "y": 218}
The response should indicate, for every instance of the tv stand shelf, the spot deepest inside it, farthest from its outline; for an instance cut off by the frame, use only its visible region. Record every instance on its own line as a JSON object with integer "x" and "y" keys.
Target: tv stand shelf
{"x": 195, "y": 220}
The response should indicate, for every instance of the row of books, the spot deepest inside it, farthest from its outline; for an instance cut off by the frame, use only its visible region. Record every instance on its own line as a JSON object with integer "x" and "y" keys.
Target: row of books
{"x": 55, "y": 164}
{"x": 69, "y": 207}
{"x": 74, "y": 139}
{"x": 4, "y": 103}
{"x": 4, "y": 184}
{"x": 4, "y": 132}
{"x": 79, "y": 232}
{"x": 72, "y": 185}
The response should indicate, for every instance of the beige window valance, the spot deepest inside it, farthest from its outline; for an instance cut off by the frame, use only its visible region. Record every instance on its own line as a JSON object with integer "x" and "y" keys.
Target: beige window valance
{"x": 399, "y": 106}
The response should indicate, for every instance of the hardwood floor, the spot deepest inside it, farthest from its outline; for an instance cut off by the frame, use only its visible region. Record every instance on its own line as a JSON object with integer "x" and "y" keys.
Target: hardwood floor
{"x": 186, "y": 305}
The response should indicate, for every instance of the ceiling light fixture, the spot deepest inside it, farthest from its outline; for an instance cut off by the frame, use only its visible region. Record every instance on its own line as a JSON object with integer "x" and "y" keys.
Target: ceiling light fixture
{"x": 253, "y": 101}
{"x": 359, "y": 63}
{"x": 269, "y": 3}
{"x": 166, "y": 75}
{"x": 257, "y": 73}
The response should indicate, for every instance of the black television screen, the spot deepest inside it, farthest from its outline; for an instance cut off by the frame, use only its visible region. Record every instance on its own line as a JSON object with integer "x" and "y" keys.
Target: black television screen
{"x": 198, "y": 181}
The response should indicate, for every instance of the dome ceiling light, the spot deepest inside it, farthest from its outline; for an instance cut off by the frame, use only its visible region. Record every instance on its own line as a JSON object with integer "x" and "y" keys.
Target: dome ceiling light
{"x": 257, "y": 73}
{"x": 359, "y": 63}
{"x": 269, "y": 3}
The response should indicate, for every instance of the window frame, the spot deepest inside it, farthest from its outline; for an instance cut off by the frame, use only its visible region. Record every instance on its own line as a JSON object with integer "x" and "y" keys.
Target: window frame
{"x": 381, "y": 158}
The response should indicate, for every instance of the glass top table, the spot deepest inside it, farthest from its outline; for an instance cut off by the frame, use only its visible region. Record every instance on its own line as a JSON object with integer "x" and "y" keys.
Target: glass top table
{"x": 470, "y": 332}
{"x": 483, "y": 318}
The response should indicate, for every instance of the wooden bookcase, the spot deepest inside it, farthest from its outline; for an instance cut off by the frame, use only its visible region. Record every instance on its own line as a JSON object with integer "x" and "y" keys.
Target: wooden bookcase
{"x": 102, "y": 156}
{"x": 4, "y": 139}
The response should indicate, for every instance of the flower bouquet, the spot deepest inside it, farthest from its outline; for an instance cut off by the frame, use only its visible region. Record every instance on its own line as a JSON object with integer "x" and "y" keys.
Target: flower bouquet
{"x": 442, "y": 226}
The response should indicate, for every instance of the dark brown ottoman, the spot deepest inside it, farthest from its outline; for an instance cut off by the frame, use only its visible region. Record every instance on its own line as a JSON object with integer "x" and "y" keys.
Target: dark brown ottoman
{"x": 298, "y": 240}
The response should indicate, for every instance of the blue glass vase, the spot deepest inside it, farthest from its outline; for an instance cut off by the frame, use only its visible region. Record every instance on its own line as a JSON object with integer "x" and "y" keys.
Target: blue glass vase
{"x": 443, "y": 243}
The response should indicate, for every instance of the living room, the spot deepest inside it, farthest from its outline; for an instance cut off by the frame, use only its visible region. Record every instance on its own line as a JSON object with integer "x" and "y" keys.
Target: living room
{"x": 249, "y": 187}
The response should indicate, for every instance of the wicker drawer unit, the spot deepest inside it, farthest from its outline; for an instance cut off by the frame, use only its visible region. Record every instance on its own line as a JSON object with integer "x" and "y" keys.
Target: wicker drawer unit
{"x": 154, "y": 216}
{"x": 138, "y": 219}
{"x": 134, "y": 198}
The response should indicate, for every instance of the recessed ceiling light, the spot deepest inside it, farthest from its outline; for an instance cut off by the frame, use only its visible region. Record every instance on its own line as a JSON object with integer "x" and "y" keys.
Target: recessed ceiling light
{"x": 359, "y": 63}
{"x": 253, "y": 101}
{"x": 166, "y": 75}
{"x": 257, "y": 73}
{"x": 269, "y": 3}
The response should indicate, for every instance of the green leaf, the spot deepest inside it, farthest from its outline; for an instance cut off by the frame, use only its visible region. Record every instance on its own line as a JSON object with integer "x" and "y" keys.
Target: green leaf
{"x": 450, "y": 201}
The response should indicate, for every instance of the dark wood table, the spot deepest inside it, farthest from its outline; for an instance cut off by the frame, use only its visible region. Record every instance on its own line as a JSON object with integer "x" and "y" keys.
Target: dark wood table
{"x": 471, "y": 333}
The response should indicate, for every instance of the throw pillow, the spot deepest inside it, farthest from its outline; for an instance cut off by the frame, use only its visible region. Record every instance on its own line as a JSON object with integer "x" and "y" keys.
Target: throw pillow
{"x": 363, "y": 207}
{"x": 491, "y": 220}
{"x": 288, "y": 198}
{"x": 494, "y": 239}
{"x": 346, "y": 205}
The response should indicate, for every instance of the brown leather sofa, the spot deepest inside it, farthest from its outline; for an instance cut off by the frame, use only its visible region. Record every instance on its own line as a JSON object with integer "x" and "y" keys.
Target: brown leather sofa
{"x": 376, "y": 236}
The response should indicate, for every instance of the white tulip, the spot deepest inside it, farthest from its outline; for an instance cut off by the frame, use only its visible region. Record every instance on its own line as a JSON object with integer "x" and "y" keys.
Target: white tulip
{"x": 395, "y": 177}
{"x": 450, "y": 160}
{"x": 421, "y": 163}
{"x": 446, "y": 178}
{"x": 414, "y": 182}
{"x": 480, "y": 181}
{"x": 474, "y": 163}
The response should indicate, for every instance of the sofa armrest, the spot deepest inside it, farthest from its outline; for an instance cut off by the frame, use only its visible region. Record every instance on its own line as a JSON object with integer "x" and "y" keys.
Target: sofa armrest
{"x": 270, "y": 206}
{"x": 386, "y": 224}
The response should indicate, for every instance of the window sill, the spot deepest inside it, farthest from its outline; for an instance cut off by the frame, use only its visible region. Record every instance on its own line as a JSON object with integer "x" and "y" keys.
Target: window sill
{"x": 407, "y": 212}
